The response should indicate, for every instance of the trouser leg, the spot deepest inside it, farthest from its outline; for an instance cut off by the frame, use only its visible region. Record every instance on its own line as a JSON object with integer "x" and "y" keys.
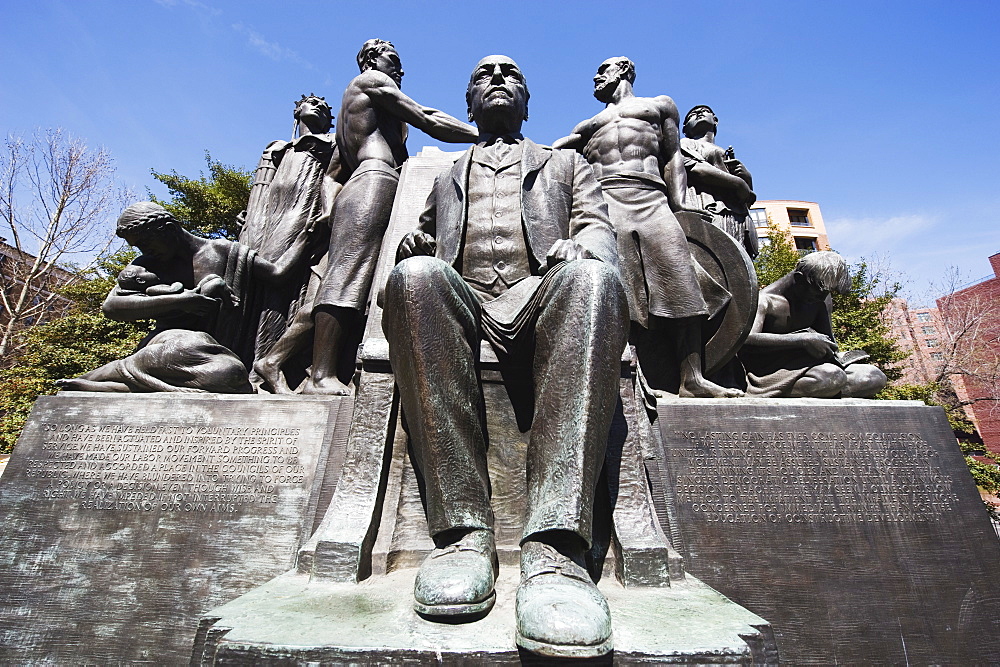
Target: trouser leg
{"x": 431, "y": 320}
{"x": 580, "y": 333}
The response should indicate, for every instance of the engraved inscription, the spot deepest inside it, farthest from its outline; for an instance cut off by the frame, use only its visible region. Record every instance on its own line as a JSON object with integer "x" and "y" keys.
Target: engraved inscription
{"x": 130, "y": 467}
{"x": 809, "y": 477}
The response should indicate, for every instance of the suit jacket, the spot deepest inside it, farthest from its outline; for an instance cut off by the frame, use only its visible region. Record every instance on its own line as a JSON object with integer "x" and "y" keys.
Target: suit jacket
{"x": 560, "y": 199}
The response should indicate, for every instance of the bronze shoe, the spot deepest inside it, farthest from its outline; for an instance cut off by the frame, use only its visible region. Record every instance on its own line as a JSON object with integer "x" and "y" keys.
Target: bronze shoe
{"x": 560, "y": 612}
{"x": 457, "y": 579}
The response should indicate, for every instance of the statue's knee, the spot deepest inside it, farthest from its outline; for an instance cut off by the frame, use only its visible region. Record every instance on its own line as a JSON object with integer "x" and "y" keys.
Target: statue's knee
{"x": 592, "y": 276}
{"x": 822, "y": 381}
{"x": 414, "y": 273}
{"x": 864, "y": 381}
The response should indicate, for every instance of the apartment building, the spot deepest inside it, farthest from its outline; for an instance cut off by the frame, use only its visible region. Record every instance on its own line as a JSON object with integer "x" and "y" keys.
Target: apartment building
{"x": 801, "y": 219}
{"x": 921, "y": 332}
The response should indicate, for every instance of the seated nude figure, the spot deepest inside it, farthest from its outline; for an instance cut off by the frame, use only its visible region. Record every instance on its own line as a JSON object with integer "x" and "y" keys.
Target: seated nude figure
{"x": 791, "y": 351}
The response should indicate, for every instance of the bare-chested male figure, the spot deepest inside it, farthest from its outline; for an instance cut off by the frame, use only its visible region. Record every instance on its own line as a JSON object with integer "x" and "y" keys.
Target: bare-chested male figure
{"x": 634, "y": 147}
{"x": 371, "y": 137}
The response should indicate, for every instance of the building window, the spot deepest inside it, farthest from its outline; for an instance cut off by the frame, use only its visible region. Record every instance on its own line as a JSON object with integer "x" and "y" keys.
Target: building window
{"x": 923, "y": 317}
{"x": 759, "y": 217}
{"x": 937, "y": 356}
{"x": 805, "y": 243}
{"x": 929, "y": 331}
{"x": 931, "y": 342}
{"x": 763, "y": 241}
{"x": 799, "y": 217}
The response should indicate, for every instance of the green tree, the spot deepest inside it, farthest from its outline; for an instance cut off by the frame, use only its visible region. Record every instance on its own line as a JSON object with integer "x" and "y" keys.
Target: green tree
{"x": 68, "y": 346}
{"x": 209, "y": 206}
{"x": 777, "y": 257}
{"x": 860, "y": 320}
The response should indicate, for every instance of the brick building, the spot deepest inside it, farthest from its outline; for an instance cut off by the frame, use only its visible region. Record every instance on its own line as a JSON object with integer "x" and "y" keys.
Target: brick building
{"x": 972, "y": 315}
{"x": 921, "y": 332}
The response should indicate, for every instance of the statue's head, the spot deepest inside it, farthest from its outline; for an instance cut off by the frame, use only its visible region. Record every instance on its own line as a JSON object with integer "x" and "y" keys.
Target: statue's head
{"x": 137, "y": 278}
{"x": 700, "y": 120}
{"x": 824, "y": 272}
{"x": 149, "y": 227}
{"x": 314, "y": 113}
{"x": 380, "y": 55}
{"x": 610, "y": 73}
{"x": 497, "y": 95}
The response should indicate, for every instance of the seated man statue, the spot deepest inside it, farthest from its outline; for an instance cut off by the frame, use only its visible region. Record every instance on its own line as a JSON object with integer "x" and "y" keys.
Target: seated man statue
{"x": 791, "y": 352}
{"x": 515, "y": 246}
{"x": 202, "y": 341}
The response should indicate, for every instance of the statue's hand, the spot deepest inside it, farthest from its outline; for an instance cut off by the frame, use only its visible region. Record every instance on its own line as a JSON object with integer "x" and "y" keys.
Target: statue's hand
{"x": 736, "y": 168}
{"x": 818, "y": 346}
{"x": 566, "y": 250}
{"x": 700, "y": 212}
{"x": 321, "y": 222}
{"x": 415, "y": 243}
{"x": 197, "y": 304}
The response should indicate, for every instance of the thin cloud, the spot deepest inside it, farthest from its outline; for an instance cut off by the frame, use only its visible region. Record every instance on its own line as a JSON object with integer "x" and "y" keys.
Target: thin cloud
{"x": 272, "y": 50}
{"x": 193, "y": 4}
{"x": 863, "y": 235}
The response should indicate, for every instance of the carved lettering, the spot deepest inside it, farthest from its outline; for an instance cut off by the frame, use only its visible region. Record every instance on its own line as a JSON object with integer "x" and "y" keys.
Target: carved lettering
{"x": 160, "y": 468}
{"x": 809, "y": 477}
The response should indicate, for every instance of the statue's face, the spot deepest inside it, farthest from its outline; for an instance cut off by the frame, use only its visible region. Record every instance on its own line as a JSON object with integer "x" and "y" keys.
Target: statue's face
{"x": 388, "y": 63}
{"x": 609, "y": 75}
{"x": 315, "y": 114}
{"x": 702, "y": 117}
{"x": 811, "y": 291}
{"x": 159, "y": 244}
{"x": 498, "y": 99}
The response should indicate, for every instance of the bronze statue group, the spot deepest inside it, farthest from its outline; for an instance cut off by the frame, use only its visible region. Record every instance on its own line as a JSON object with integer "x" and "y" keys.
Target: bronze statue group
{"x": 558, "y": 257}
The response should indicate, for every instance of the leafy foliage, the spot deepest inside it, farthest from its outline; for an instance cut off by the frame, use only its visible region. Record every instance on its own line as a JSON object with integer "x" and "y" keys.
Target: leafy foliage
{"x": 68, "y": 346}
{"x": 860, "y": 322}
{"x": 210, "y": 206}
{"x": 777, "y": 257}
{"x": 941, "y": 395}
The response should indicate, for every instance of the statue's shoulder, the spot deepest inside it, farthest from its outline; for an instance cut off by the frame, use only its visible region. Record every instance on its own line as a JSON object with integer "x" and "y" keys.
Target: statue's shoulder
{"x": 370, "y": 79}
{"x": 666, "y": 103}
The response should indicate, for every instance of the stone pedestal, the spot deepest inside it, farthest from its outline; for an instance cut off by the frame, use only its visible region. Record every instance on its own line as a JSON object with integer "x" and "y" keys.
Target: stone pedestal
{"x": 126, "y": 516}
{"x": 853, "y": 526}
{"x": 292, "y": 621}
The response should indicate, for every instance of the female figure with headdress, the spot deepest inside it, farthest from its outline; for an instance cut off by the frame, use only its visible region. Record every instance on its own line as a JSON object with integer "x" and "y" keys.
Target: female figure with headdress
{"x": 294, "y": 188}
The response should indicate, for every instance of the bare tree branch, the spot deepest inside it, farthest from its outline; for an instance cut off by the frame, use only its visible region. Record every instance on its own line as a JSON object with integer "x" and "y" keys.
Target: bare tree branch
{"x": 56, "y": 198}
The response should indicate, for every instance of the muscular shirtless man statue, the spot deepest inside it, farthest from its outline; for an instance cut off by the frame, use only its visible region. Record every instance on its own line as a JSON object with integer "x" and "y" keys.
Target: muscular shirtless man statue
{"x": 371, "y": 137}
{"x": 634, "y": 147}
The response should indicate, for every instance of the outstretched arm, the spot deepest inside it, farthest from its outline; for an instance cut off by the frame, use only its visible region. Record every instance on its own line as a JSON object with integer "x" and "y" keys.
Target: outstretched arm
{"x": 125, "y": 307}
{"x": 576, "y": 140}
{"x": 386, "y": 95}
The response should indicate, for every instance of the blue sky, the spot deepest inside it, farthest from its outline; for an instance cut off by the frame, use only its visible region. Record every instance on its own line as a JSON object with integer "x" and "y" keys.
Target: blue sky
{"x": 882, "y": 112}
